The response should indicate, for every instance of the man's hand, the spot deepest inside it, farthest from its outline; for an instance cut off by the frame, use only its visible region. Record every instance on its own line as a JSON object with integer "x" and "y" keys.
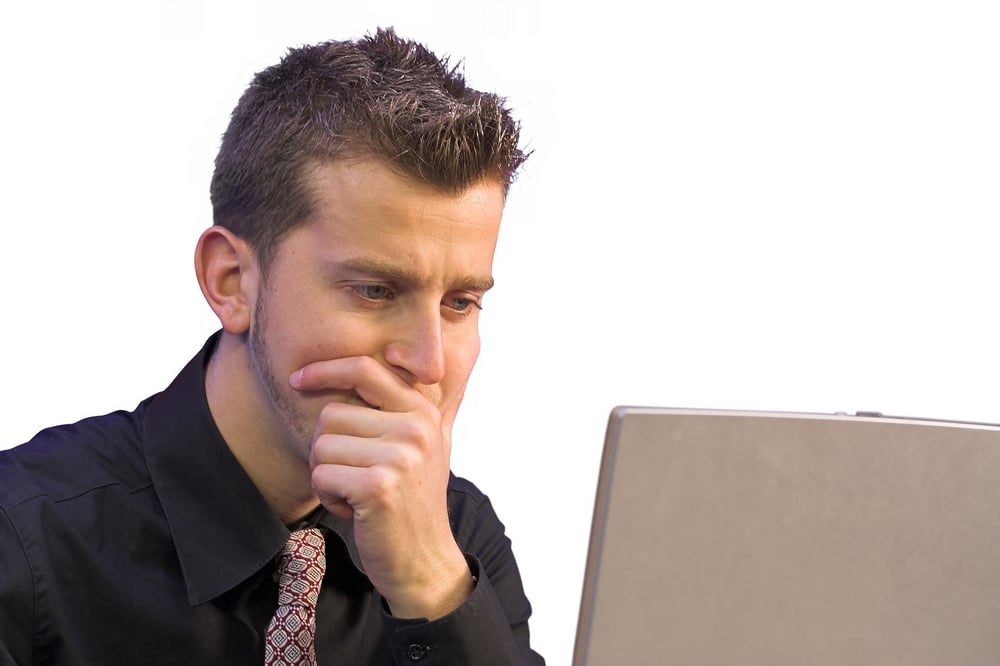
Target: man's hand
{"x": 385, "y": 465}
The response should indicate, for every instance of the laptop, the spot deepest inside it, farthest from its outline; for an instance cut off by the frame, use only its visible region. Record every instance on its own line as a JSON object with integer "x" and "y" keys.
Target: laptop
{"x": 770, "y": 539}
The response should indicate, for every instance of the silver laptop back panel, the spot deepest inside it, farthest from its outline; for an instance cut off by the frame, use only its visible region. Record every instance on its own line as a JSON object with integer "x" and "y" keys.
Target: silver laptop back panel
{"x": 768, "y": 538}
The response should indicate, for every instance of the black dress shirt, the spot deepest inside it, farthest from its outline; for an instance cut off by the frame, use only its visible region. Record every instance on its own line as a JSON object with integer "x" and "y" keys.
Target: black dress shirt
{"x": 137, "y": 538}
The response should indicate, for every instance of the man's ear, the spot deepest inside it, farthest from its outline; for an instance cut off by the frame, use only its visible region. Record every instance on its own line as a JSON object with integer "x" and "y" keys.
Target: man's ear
{"x": 228, "y": 276}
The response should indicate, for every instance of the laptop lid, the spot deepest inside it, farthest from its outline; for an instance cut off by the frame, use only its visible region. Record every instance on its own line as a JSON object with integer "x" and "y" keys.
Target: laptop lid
{"x": 724, "y": 537}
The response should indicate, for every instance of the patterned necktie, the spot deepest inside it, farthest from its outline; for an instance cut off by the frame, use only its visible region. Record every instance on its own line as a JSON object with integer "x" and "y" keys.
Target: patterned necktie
{"x": 301, "y": 565}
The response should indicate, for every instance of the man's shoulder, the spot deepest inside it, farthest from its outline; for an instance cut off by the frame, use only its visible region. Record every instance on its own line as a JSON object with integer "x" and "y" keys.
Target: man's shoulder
{"x": 470, "y": 510}
{"x": 464, "y": 491}
{"x": 65, "y": 461}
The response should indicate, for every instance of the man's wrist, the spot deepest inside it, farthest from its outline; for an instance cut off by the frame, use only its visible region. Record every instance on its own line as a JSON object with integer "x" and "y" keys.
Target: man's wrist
{"x": 434, "y": 599}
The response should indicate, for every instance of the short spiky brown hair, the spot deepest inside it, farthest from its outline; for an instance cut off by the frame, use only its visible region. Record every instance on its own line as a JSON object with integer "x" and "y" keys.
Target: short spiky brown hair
{"x": 381, "y": 96}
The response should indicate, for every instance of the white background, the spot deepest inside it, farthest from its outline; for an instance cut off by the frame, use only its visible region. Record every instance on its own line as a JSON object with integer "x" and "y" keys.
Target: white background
{"x": 763, "y": 205}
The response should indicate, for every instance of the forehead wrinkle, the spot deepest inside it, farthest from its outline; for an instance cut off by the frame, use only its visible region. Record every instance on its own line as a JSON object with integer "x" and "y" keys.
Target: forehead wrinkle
{"x": 391, "y": 271}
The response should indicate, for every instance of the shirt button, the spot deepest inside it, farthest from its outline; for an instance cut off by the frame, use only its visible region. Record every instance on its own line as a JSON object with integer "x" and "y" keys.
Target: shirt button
{"x": 416, "y": 652}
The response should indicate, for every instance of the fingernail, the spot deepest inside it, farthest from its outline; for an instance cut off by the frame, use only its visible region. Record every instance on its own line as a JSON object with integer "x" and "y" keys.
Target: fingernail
{"x": 296, "y": 379}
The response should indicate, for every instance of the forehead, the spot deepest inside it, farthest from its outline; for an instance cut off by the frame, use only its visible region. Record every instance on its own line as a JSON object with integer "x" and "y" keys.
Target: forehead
{"x": 348, "y": 192}
{"x": 364, "y": 213}
{"x": 376, "y": 180}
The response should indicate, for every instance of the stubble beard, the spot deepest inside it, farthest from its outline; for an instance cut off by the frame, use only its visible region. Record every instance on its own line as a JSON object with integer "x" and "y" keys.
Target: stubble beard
{"x": 295, "y": 421}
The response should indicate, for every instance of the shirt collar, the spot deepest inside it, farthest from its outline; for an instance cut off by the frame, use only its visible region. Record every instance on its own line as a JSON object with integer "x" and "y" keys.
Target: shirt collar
{"x": 223, "y": 529}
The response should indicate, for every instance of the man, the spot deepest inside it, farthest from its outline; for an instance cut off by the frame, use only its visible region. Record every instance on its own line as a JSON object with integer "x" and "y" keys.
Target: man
{"x": 357, "y": 198}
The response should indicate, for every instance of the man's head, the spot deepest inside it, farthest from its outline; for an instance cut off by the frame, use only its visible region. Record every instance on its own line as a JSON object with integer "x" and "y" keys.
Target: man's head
{"x": 381, "y": 96}
{"x": 358, "y": 196}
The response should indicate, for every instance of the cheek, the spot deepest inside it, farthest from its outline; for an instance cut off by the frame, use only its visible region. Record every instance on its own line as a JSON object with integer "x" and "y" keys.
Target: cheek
{"x": 332, "y": 337}
{"x": 461, "y": 358}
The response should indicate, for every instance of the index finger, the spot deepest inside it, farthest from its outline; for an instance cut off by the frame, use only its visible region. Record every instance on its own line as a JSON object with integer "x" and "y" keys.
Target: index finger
{"x": 374, "y": 383}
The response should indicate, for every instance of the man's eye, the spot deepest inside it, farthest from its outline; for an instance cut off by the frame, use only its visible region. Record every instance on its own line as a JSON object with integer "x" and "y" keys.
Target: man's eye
{"x": 373, "y": 292}
{"x": 462, "y": 304}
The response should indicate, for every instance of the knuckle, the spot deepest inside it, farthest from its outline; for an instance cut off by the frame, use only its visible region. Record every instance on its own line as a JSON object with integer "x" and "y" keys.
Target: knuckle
{"x": 409, "y": 459}
{"x": 365, "y": 364}
{"x": 414, "y": 432}
{"x": 382, "y": 484}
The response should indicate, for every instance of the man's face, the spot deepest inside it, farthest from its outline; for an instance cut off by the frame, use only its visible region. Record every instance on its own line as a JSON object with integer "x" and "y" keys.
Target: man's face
{"x": 387, "y": 268}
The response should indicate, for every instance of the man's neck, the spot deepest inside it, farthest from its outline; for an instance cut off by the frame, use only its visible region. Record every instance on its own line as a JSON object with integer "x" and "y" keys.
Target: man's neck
{"x": 252, "y": 433}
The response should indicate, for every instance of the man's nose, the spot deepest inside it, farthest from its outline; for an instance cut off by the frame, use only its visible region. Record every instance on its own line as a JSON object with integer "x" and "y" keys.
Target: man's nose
{"x": 418, "y": 347}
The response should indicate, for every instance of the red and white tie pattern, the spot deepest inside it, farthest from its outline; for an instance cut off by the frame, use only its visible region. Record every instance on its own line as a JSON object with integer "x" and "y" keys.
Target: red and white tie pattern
{"x": 290, "y": 635}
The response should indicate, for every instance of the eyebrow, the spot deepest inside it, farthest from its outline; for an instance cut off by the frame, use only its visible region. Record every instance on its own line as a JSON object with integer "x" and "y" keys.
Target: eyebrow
{"x": 389, "y": 271}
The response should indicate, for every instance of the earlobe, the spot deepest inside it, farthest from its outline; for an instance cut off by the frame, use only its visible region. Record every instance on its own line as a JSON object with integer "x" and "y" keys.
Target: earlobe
{"x": 226, "y": 274}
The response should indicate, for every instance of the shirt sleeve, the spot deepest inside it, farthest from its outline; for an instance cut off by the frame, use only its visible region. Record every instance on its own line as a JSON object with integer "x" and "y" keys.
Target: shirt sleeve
{"x": 16, "y": 598}
{"x": 491, "y": 627}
